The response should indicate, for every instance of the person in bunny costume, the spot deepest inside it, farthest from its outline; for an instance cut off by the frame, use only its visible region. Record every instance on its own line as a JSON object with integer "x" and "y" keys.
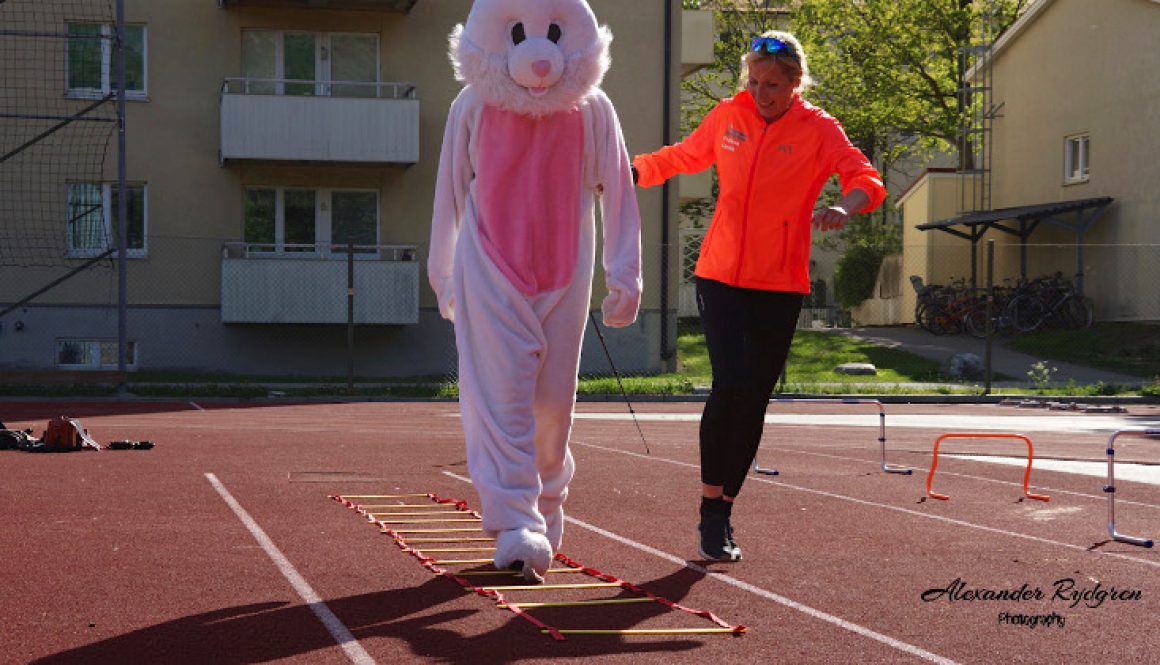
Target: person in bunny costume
{"x": 531, "y": 143}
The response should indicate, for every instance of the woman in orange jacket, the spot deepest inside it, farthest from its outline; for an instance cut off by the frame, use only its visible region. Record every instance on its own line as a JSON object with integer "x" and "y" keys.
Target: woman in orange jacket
{"x": 774, "y": 152}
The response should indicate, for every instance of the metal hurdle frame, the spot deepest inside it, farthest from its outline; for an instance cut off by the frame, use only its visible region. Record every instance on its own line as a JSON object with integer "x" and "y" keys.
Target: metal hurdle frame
{"x": 881, "y": 430}
{"x": 1110, "y": 488}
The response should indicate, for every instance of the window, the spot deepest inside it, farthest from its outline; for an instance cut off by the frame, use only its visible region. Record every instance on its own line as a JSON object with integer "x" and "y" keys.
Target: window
{"x": 91, "y": 61}
{"x": 92, "y": 214}
{"x": 286, "y": 220}
{"x": 1075, "y": 159}
{"x": 93, "y": 354}
{"x": 309, "y": 63}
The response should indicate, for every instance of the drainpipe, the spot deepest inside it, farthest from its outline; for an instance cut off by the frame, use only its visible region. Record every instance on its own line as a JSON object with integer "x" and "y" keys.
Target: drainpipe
{"x": 666, "y": 113}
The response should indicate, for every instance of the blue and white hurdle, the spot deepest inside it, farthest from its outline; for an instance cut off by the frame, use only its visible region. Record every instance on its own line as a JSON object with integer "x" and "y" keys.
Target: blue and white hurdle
{"x": 1110, "y": 488}
{"x": 881, "y": 430}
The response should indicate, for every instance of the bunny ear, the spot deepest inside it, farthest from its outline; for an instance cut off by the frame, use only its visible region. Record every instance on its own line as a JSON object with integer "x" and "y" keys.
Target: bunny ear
{"x": 454, "y": 51}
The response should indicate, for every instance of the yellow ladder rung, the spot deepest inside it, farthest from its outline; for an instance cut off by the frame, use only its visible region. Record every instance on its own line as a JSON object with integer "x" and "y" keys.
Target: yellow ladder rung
{"x": 449, "y": 520}
{"x": 472, "y": 573}
{"x": 459, "y": 549}
{"x": 420, "y": 514}
{"x": 547, "y": 587}
{"x": 450, "y": 540}
{"x": 435, "y": 530}
{"x": 458, "y": 562}
{"x": 406, "y": 505}
{"x": 646, "y": 631}
{"x": 383, "y": 496}
{"x": 580, "y": 603}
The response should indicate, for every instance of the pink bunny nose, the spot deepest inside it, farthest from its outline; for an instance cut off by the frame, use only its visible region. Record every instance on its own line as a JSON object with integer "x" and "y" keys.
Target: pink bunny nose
{"x": 542, "y": 68}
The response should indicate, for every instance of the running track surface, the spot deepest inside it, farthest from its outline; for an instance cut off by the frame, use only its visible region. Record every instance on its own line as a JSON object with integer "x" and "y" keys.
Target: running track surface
{"x": 220, "y": 545}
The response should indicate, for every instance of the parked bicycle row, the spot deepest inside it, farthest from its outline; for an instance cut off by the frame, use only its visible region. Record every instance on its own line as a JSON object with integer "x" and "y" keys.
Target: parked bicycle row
{"x": 1042, "y": 302}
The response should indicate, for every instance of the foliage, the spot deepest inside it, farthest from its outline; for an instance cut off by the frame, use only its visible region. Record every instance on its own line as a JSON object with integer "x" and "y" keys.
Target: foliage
{"x": 891, "y": 69}
{"x": 1040, "y": 374}
{"x": 888, "y": 69}
{"x": 856, "y": 274}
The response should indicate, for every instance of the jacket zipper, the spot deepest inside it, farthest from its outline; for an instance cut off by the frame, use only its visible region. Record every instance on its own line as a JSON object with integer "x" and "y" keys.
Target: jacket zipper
{"x": 748, "y": 200}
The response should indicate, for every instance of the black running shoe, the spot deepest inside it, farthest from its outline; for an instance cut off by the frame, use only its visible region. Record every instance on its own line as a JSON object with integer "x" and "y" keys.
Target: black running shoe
{"x": 716, "y": 542}
{"x": 730, "y": 543}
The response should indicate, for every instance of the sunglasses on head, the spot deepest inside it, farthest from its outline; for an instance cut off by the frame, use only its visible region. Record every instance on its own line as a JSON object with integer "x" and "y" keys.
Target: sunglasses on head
{"x": 773, "y": 46}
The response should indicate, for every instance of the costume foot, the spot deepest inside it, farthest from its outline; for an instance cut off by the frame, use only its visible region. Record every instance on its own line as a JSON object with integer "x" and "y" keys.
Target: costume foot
{"x": 555, "y": 522}
{"x": 524, "y": 551}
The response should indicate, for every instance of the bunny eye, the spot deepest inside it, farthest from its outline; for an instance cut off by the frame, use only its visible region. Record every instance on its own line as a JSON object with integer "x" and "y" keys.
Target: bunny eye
{"x": 518, "y": 34}
{"x": 554, "y": 33}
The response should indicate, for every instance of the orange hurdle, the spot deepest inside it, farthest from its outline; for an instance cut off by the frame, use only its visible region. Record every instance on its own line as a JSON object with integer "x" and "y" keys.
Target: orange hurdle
{"x": 976, "y": 435}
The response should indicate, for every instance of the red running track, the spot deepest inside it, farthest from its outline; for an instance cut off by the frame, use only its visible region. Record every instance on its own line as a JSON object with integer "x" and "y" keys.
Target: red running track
{"x": 220, "y": 545}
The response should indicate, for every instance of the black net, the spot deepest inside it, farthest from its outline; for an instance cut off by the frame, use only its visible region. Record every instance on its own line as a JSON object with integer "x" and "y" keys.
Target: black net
{"x": 58, "y": 116}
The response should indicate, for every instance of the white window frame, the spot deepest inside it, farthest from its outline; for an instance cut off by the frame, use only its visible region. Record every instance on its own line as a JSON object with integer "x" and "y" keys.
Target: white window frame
{"x": 108, "y": 218}
{"x": 1076, "y": 173}
{"x": 108, "y": 70}
{"x": 91, "y": 353}
{"x": 322, "y": 60}
{"x": 323, "y": 236}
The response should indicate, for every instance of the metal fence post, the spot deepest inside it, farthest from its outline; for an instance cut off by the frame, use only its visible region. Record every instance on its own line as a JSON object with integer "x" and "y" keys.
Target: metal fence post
{"x": 990, "y": 315}
{"x": 350, "y": 315}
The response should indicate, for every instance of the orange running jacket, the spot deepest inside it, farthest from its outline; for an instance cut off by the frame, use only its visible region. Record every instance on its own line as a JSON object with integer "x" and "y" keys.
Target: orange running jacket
{"x": 769, "y": 175}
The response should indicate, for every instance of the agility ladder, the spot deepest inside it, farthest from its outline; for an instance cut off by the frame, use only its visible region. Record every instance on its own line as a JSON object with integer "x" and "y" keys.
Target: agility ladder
{"x": 418, "y": 527}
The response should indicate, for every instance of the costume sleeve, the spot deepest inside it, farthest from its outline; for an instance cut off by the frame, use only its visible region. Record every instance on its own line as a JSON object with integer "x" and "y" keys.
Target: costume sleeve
{"x": 451, "y": 187}
{"x": 620, "y": 216}
{"x": 853, "y": 169}
{"x": 693, "y": 155}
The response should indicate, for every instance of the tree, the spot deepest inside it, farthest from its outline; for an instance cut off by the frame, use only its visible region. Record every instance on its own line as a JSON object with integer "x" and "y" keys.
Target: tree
{"x": 891, "y": 69}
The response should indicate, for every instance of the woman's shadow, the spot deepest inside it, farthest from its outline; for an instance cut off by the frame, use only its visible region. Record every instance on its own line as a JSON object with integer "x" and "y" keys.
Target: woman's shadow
{"x": 261, "y": 632}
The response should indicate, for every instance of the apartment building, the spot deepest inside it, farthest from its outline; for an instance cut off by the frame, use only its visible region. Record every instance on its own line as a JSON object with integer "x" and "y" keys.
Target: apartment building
{"x": 281, "y": 160}
{"x": 1073, "y": 166}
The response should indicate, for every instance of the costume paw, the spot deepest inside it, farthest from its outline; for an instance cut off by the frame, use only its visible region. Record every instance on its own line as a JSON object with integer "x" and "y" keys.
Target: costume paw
{"x": 619, "y": 307}
{"x": 446, "y": 297}
{"x": 555, "y": 522}
{"x": 525, "y": 551}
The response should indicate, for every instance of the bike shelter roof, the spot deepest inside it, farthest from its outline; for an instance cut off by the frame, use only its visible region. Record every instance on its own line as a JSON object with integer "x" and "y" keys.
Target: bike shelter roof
{"x": 1021, "y": 221}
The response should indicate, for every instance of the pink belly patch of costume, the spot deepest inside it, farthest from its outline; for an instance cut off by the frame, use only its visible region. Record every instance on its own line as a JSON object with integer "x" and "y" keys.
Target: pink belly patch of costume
{"x": 528, "y": 196}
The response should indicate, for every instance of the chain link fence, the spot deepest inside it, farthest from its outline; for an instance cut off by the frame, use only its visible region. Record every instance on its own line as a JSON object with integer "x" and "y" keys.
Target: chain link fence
{"x": 204, "y": 310}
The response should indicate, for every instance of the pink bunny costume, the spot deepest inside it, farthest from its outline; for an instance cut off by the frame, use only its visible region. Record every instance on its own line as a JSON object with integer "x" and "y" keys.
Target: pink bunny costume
{"x": 531, "y": 143}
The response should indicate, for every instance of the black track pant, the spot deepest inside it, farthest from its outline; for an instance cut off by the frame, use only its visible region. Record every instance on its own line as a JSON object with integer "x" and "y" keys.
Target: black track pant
{"x": 747, "y": 333}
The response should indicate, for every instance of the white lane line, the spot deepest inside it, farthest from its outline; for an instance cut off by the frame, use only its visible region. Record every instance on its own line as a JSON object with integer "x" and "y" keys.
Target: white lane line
{"x": 884, "y": 506}
{"x": 947, "y": 422}
{"x": 337, "y": 629}
{"x": 972, "y": 458}
{"x": 745, "y": 586}
{"x": 196, "y": 406}
{"x": 1140, "y": 473}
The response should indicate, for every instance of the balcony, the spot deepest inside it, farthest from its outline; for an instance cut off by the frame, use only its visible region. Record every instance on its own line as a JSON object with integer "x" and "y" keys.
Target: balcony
{"x": 399, "y": 6}
{"x": 319, "y": 121}
{"x": 308, "y": 284}
{"x": 697, "y": 40}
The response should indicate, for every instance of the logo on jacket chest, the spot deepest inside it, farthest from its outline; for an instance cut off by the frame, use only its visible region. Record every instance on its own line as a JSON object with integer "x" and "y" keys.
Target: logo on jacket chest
{"x": 733, "y": 139}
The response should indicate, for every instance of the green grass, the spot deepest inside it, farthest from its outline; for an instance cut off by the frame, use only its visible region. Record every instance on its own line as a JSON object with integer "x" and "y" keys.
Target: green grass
{"x": 813, "y": 357}
{"x": 1127, "y": 348}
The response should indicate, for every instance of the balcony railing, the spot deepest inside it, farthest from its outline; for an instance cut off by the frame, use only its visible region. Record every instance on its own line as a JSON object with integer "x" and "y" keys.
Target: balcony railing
{"x": 400, "y": 6}
{"x": 292, "y": 284}
{"x": 319, "y": 121}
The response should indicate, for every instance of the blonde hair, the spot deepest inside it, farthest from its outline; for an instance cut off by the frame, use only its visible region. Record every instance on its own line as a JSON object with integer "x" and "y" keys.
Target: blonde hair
{"x": 794, "y": 68}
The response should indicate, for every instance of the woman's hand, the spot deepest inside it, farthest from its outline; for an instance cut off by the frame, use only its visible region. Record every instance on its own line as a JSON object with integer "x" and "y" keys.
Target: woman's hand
{"x": 835, "y": 216}
{"x": 831, "y": 218}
